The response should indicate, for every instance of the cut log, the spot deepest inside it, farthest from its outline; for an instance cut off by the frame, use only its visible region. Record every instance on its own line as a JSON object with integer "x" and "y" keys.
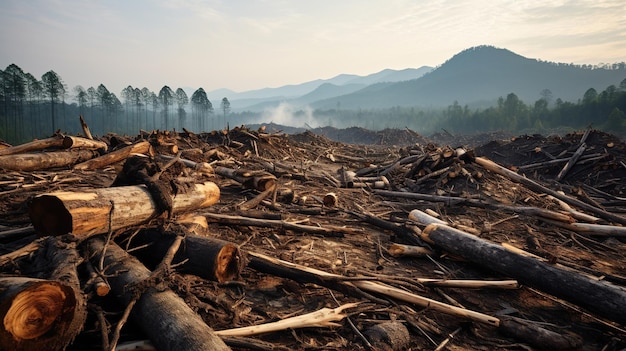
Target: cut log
{"x": 115, "y": 156}
{"x": 45, "y": 160}
{"x": 53, "y": 142}
{"x": 206, "y": 257}
{"x": 36, "y": 313}
{"x": 97, "y": 211}
{"x": 599, "y": 297}
{"x": 259, "y": 180}
{"x": 78, "y": 142}
{"x": 162, "y": 315}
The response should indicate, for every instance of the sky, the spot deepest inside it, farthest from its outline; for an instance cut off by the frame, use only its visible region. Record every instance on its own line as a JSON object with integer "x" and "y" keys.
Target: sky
{"x": 252, "y": 44}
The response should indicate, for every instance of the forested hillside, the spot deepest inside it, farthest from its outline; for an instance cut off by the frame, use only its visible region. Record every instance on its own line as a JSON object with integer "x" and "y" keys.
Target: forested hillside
{"x": 33, "y": 107}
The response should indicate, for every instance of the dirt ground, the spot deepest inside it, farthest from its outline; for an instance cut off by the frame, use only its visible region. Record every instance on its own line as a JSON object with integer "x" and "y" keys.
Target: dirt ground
{"x": 308, "y": 166}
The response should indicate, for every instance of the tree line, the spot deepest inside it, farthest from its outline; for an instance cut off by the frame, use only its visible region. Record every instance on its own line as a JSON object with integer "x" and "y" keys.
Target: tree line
{"x": 32, "y": 108}
{"x": 35, "y": 108}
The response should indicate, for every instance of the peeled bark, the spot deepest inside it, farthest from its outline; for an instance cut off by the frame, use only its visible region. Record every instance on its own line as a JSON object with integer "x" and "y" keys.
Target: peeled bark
{"x": 162, "y": 315}
{"x": 98, "y": 211}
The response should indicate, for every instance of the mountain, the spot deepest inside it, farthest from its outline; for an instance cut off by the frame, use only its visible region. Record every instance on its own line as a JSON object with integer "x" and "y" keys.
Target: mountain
{"x": 480, "y": 75}
{"x": 304, "y": 93}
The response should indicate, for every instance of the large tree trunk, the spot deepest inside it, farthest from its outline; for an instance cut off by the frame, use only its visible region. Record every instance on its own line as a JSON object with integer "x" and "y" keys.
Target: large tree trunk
{"x": 206, "y": 257}
{"x": 97, "y": 211}
{"x": 45, "y": 160}
{"x": 37, "y": 314}
{"x": 596, "y": 296}
{"x": 162, "y": 315}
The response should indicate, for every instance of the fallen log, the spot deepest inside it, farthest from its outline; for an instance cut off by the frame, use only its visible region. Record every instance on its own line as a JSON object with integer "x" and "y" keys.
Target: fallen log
{"x": 325, "y": 317}
{"x": 53, "y": 142}
{"x": 596, "y": 296}
{"x": 36, "y": 313}
{"x": 78, "y": 142}
{"x": 54, "y": 259}
{"x": 162, "y": 315}
{"x": 98, "y": 211}
{"x": 141, "y": 147}
{"x": 206, "y": 257}
{"x": 259, "y": 180}
{"x": 271, "y": 223}
{"x": 45, "y": 160}
{"x": 356, "y": 288}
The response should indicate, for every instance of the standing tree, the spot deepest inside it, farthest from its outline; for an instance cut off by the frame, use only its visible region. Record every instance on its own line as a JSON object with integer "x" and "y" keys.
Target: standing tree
{"x": 81, "y": 98}
{"x": 15, "y": 94}
{"x": 53, "y": 88}
{"x": 166, "y": 96}
{"x": 225, "y": 106}
{"x": 181, "y": 100}
{"x": 200, "y": 107}
{"x": 35, "y": 93}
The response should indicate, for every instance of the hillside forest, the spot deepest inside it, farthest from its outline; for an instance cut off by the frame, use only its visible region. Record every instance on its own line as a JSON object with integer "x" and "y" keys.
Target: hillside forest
{"x": 36, "y": 108}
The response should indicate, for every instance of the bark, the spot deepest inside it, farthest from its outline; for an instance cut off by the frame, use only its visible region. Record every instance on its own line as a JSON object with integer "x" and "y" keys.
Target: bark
{"x": 45, "y": 160}
{"x": 114, "y": 156}
{"x": 98, "y": 211}
{"x": 36, "y": 313}
{"x": 162, "y": 315}
{"x": 596, "y": 296}
{"x": 54, "y": 142}
{"x": 206, "y": 257}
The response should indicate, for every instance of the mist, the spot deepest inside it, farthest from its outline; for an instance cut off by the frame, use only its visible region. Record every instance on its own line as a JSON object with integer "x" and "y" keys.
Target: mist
{"x": 286, "y": 114}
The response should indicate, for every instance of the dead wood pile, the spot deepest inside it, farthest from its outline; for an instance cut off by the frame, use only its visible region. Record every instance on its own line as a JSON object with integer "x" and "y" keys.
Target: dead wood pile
{"x": 246, "y": 240}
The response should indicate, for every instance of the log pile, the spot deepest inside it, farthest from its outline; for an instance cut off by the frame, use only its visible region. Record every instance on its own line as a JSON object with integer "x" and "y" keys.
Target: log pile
{"x": 253, "y": 240}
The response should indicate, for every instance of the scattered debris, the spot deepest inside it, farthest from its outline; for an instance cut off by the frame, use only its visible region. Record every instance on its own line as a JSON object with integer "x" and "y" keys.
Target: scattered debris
{"x": 255, "y": 239}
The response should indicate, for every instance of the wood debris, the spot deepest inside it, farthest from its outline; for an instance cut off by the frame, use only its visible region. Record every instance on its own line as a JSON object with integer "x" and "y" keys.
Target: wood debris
{"x": 254, "y": 239}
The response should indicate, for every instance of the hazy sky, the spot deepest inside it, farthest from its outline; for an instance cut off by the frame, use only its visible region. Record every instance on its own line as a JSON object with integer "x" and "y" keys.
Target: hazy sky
{"x": 251, "y": 44}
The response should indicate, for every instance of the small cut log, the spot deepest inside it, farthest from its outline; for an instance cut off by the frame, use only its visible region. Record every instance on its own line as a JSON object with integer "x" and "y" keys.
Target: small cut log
{"x": 98, "y": 211}
{"x": 162, "y": 315}
{"x": 114, "y": 156}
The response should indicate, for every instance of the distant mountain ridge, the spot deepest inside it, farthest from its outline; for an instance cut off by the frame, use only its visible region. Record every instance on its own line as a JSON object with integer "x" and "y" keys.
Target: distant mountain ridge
{"x": 482, "y": 74}
{"x": 476, "y": 76}
{"x": 346, "y": 83}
